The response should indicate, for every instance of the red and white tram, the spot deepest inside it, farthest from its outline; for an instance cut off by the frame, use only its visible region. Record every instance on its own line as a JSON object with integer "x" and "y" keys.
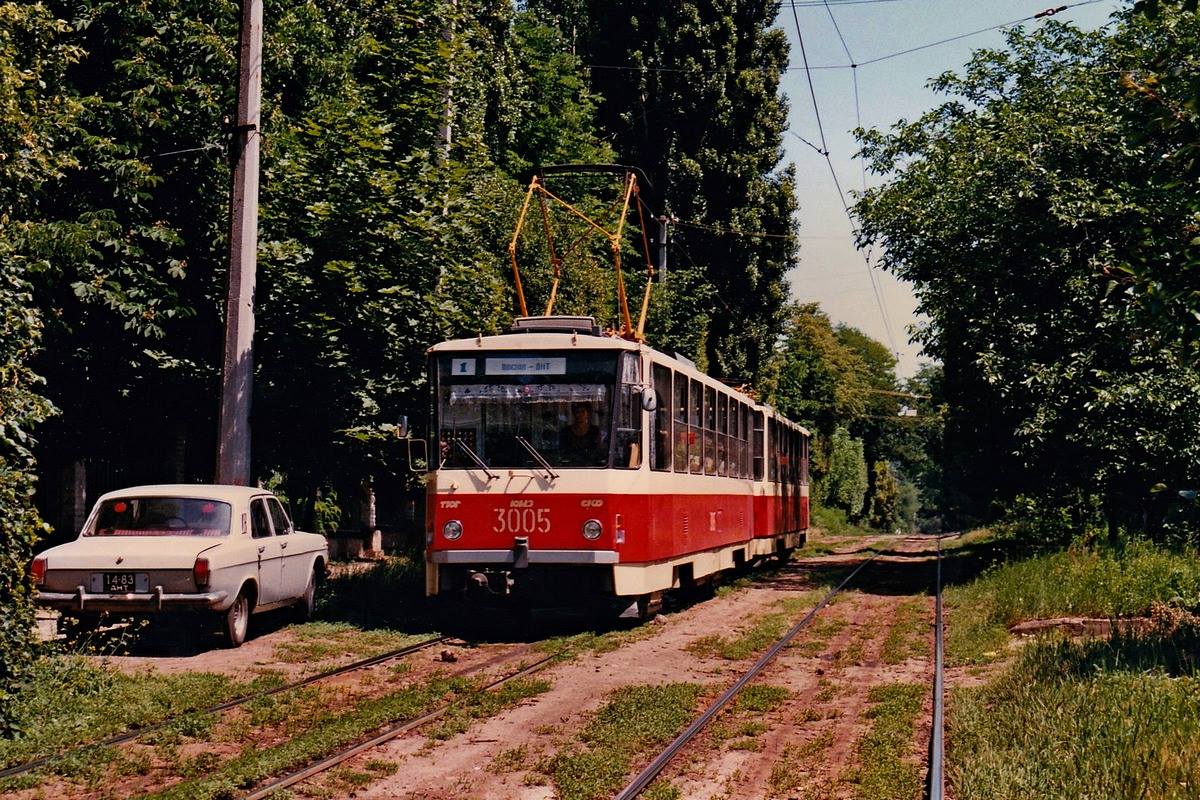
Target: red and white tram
{"x": 577, "y": 467}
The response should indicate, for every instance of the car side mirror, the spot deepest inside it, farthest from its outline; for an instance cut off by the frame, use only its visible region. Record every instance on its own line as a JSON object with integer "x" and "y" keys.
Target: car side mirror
{"x": 649, "y": 399}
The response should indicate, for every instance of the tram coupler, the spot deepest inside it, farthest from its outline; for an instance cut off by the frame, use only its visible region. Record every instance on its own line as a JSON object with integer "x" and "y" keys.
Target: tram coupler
{"x": 520, "y": 552}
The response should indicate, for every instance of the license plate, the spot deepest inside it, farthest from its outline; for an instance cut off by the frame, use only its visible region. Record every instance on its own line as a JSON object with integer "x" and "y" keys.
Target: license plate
{"x": 119, "y": 582}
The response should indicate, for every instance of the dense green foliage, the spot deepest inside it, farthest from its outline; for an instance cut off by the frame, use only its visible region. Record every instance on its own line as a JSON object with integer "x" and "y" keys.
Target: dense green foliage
{"x": 846, "y": 481}
{"x": 830, "y": 377}
{"x": 1046, "y": 219}
{"x": 691, "y": 95}
{"x": 32, "y": 118}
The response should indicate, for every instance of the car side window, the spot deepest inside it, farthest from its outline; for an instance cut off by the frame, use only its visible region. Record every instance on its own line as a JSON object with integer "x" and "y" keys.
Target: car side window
{"x": 278, "y": 517}
{"x": 260, "y": 524}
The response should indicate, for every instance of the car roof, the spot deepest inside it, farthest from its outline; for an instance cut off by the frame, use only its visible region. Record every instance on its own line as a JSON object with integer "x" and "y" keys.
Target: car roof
{"x": 207, "y": 491}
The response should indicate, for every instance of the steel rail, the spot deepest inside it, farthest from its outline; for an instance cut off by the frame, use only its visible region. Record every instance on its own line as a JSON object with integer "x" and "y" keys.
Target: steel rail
{"x": 386, "y": 735}
{"x": 638, "y": 784}
{"x": 936, "y": 776}
{"x": 135, "y": 733}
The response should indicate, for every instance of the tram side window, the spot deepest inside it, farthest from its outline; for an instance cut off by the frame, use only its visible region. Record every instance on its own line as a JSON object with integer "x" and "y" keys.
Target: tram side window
{"x": 758, "y": 445}
{"x": 695, "y": 431}
{"x": 629, "y": 416}
{"x": 722, "y": 434}
{"x": 709, "y": 422}
{"x": 735, "y": 438}
{"x": 804, "y": 460}
{"x": 661, "y": 443}
{"x": 681, "y": 423}
{"x": 772, "y": 451}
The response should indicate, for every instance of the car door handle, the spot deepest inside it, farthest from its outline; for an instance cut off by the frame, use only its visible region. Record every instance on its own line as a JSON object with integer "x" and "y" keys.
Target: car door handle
{"x": 283, "y": 545}
{"x": 262, "y": 548}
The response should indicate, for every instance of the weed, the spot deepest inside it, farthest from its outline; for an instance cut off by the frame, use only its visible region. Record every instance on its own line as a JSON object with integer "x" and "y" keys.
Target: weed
{"x": 329, "y": 733}
{"x": 883, "y": 773}
{"x": 314, "y": 642}
{"x": 509, "y": 760}
{"x": 760, "y": 698}
{"x": 381, "y": 766}
{"x": 201, "y": 764}
{"x": 68, "y": 701}
{"x": 747, "y": 744}
{"x": 662, "y": 790}
{"x": 568, "y": 647}
{"x": 761, "y": 635}
{"x": 480, "y": 705}
{"x": 635, "y": 719}
{"x": 908, "y": 636}
{"x": 833, "y": 522}
{"x": 793, "y": 764}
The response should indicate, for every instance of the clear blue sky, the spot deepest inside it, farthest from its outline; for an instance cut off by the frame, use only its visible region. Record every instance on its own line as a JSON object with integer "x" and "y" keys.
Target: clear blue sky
{"x": 831, "y": 271}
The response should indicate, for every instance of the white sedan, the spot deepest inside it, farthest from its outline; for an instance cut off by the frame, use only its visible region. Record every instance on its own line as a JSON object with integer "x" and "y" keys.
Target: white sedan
{"x": 228, "y": 550}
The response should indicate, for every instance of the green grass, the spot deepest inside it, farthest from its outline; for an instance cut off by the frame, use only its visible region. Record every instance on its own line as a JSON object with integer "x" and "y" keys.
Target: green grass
{"x": 795, "y": 763}
{"x": 481, "y": 705}
{"x": 759, "y": 636}
{"x": 320, "y": 641}
{"x": 634, "y": 720}
{"x": 909, "y": 633}
{"x": 882, "y": 772}
{"x": 1075, "y": 582}
{"x": 567, "y": 647}
{"x": 760, "y": 698}
{"x": 328, "y": 731}
{"x": 833, "y": 522}
{"x": 1116, "y": 718}
{"x": 68, "y": 701}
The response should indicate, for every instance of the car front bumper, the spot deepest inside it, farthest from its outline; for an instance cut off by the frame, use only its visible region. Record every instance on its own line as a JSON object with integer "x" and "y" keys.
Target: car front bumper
{"x": 157, "y": 600}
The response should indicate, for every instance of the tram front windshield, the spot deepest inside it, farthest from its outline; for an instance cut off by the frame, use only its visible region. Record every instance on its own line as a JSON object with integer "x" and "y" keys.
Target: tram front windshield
{"x": 509, "y": 409}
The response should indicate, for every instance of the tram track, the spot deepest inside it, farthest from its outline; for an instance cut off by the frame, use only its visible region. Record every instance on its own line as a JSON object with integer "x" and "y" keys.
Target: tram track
{"x": 135, "y": 733}
{"x": 935, "y": 777}
{"x": 398, "y": 729}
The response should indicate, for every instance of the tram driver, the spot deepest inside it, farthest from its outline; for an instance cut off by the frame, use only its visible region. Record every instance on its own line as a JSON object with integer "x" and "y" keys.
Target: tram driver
{"x": 579, "y": 442}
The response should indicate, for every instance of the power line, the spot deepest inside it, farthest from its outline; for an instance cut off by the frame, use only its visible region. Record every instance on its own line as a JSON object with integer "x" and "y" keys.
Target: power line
{"x": 1049, "y": 12}
{"x": 883, "y": 315}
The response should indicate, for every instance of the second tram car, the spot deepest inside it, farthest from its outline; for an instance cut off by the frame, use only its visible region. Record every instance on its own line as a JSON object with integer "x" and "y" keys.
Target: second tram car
{"x": 574, "y": 467}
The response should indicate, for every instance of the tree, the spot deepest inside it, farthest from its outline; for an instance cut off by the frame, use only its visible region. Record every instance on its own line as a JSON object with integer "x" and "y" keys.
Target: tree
{"x": 691, "y": 95}
{"x": 34, "y": 120}
{"x": 885, "y": 512}
{"x": 1020, "y": 210}
{"x": 846, "y": 484}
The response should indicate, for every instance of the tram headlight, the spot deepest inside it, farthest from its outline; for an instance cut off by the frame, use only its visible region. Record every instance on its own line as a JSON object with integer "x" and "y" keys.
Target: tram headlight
{"x": 452, "y": 529}
{"x": 592, "y": 529}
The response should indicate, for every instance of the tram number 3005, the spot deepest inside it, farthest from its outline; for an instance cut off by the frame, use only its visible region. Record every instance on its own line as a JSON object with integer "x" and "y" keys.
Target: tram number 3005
{"x": 522, "y": 520}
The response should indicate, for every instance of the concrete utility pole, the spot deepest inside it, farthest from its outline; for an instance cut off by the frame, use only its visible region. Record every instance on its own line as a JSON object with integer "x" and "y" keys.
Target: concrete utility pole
{"x": 237, "y": 374}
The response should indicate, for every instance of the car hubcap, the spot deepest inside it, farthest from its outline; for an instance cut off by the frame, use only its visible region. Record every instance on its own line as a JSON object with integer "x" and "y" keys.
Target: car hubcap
{"x": 239, "y": 617}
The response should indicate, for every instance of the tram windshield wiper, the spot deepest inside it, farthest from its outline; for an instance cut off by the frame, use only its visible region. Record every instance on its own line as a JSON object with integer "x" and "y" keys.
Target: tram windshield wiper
{"x": 466, "y": 448}
{"x": 536, "y": 456}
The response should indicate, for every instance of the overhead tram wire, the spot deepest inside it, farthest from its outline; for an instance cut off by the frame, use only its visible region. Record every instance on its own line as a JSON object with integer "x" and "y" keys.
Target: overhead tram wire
{"x": 883, "y": 315}
{"x": 1049, "y": 12}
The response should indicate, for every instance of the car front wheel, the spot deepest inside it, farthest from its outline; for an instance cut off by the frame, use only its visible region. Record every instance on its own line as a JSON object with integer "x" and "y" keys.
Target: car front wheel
{"x": 236, "y": 621}
{"x": 306, "y": 606}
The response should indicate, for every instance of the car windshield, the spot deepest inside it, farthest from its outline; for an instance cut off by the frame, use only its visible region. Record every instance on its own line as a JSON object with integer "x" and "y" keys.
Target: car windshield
{"x": 160, "y": 516}
{"x": 505, "y": 407}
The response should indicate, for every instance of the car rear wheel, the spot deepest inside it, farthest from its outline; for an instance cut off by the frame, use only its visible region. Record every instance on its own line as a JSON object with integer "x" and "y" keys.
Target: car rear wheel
{"x": 306, "y": 606}
{"x": 236, "y": 621}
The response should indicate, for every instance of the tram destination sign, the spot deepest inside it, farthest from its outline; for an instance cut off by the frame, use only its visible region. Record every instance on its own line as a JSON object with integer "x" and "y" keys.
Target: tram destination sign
{"x": 525, "y": 365}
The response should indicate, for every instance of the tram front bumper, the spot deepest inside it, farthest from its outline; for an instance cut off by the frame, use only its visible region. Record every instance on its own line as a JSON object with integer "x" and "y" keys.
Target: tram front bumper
{"x": 526, "y": 556}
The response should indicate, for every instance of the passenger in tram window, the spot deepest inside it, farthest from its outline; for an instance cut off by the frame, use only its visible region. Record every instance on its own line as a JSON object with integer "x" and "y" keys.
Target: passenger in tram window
{"x": 579, "y": 442}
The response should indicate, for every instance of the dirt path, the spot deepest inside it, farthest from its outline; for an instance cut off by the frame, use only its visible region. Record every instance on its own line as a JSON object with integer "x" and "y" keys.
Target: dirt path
{"x": 828, "y": 675}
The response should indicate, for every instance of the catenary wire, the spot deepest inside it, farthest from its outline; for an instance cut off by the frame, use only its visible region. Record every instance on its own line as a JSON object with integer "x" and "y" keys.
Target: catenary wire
{"x": 887, "y": 323}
